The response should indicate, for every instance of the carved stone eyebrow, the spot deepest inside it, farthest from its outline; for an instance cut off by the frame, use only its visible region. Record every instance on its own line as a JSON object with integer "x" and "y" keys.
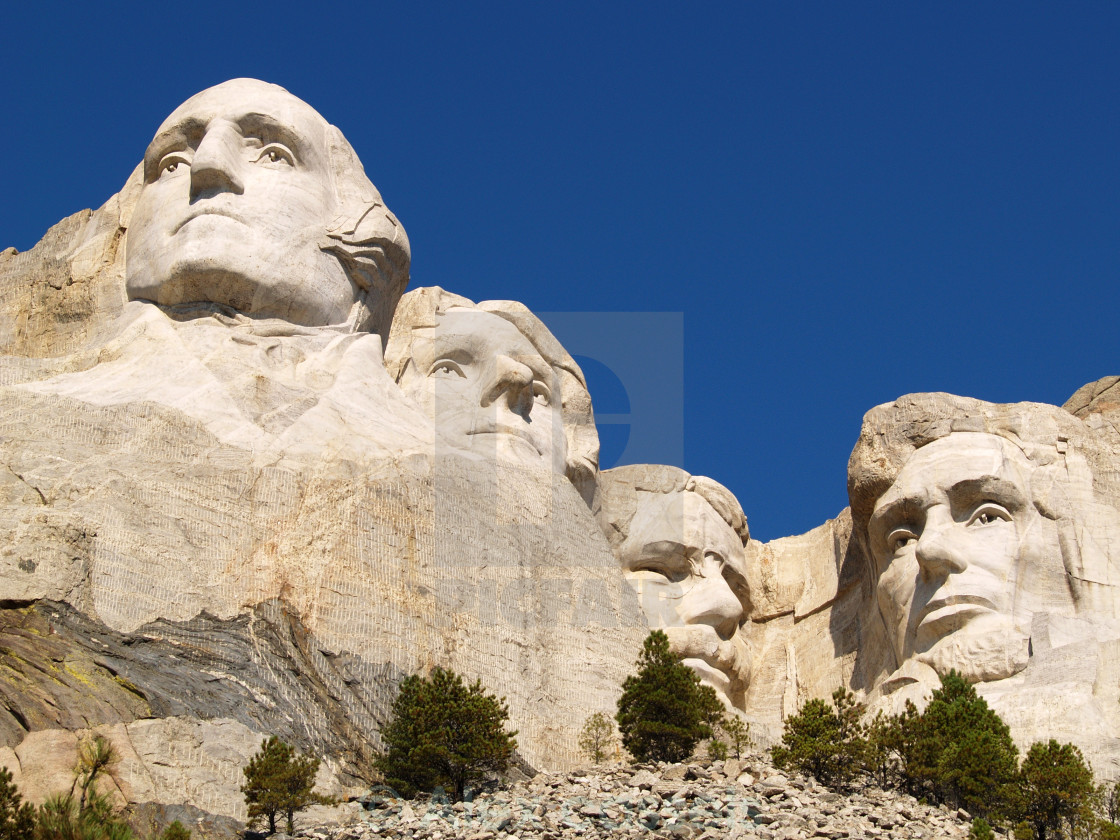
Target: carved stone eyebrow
{"x": 966, "y": 494}
{"x": 268, "y": 129}
{"x": 898, "y": 510}
{"x": 186, "y": 134}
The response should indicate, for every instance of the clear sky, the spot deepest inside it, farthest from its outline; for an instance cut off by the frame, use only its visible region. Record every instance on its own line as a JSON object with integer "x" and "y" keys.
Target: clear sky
{"x": 842, "y": 202}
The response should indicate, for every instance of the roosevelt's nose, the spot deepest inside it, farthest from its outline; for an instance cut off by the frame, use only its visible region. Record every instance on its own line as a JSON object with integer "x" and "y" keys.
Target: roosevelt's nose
{"x": 511, "y": 382}
{"x": 710, "y": 601}
{"x": 216, "y": 165}
{"x": 937, "y": 552}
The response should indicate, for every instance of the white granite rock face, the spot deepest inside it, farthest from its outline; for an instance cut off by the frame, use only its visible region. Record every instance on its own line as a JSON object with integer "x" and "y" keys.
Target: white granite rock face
{"x": 220, "y": 446}
{"x": 196, "y": 419}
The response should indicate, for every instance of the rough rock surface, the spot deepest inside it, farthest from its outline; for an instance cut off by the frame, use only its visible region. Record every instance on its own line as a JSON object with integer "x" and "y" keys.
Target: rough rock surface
{"x": 735, "y": 798}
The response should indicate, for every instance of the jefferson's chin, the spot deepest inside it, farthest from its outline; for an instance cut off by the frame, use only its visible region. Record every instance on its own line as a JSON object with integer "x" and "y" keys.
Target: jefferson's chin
{"x": 712, "y": 676}
{"x": 980, "y": 653}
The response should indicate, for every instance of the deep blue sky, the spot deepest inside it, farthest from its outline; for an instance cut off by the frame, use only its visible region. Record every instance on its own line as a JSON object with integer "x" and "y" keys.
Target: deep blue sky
{"x": 846, "y": 201}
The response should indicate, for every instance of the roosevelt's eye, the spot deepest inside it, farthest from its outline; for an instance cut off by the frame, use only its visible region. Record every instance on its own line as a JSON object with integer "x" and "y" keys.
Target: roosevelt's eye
{"x": 988, "y": 513}
{"x": 899, "y": 538}
{"x": 276, "y": 154}
{"x": 541, "y": 394}
{"x": 445, "y": 368}
{"x": 172, "y": 163}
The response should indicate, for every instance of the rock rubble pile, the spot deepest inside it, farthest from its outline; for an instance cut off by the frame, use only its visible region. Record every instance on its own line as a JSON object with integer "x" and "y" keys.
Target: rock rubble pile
{"x": 694, "y": 801}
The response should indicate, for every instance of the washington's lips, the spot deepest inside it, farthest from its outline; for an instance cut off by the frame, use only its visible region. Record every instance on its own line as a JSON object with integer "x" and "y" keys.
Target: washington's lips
{"x": 206, "y": 211}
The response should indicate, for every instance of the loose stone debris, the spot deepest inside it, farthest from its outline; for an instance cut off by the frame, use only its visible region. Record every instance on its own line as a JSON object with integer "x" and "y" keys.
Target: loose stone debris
{"x": 696, "y": 801}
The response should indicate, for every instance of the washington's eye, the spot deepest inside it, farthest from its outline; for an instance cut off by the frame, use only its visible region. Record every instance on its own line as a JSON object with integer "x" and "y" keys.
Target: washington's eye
{"x": 171, "y": 163}
{"x": 446, "y": 368}
{"x": 667, "y": 570}
{"x": 899, "y": 538}
{"x": 988, "y": 513}
{"x": 274, "y": 153}
{"x": 541, "y": 394}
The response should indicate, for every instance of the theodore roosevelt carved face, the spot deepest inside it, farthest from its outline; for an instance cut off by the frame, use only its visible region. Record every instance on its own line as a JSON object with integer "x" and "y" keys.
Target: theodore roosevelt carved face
{"x": 965, "y": 558}
{"x": 680, "y": 540}
{"x": 240, "y": 185}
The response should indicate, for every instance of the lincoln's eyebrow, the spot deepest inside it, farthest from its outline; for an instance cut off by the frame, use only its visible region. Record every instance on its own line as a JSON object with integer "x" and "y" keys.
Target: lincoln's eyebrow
{"x": 901, "y": 509}
{"x": 972, "y": 491}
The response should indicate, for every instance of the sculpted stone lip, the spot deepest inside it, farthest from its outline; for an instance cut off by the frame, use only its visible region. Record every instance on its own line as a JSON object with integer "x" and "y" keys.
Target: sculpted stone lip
{"x": 513, "y": 431}
{"x": 962, "y": 601}
{"x": 207, "y": 211}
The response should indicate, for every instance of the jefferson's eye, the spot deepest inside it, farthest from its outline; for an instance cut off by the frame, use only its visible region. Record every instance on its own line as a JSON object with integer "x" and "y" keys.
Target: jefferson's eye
{"x": 988, "y": 513}
{"x": 541, "y": 394}
{"x": 446, "y": 368}
{"x": 274, "y": 153}
{"x": 899, "y": 538}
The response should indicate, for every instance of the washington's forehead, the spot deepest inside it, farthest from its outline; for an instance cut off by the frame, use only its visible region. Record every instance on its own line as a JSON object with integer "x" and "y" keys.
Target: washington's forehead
{"x": 242, "y": 97}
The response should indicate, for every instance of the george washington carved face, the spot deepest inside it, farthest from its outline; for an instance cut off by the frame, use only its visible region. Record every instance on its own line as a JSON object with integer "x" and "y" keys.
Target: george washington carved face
{"x": 239, "y": 190}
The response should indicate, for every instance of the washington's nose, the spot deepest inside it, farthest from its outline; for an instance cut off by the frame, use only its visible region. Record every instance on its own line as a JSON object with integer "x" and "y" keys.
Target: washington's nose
{"x": 710, "y": 601}
{"x": 512, "y": 382}
{"x": 217, "y": 162}
{"x": 936, "y": 553}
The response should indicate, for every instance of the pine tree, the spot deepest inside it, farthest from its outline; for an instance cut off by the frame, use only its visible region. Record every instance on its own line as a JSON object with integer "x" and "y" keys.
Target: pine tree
{"x": 17, "y": 818}
{"x": 1056, "y": 784}
{"x": 737, "y": 731}
{"x": 664, "y": 711}
{"x": 825, "y": 742}
{"x": 595, "y": 738}
{"x": 444, "y": 733}
{"x": 280, "y": 781}
{"x": 962, "y": 751}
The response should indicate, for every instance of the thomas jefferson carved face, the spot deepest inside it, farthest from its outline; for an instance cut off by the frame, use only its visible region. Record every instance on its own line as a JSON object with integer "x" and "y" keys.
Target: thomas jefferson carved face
{"x": 687, "y": 566}
{"x": 488, "y": 389}
{"x": 965, "y": 558}
{"x": 236, "y": 200}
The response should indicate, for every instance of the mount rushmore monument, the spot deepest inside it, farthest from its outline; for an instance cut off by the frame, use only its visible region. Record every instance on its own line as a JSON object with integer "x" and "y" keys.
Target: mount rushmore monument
{"x": 249, "y": 483}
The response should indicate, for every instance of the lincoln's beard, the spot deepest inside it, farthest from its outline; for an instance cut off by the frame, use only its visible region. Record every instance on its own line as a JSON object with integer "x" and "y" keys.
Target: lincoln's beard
{"x": 994, "y": 653}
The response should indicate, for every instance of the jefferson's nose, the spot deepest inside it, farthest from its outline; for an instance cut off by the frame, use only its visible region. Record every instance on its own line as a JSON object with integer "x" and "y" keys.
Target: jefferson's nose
{"x": 217, "y": 162}
{"x": 512, "y": 382}
{"x": 710, "y": 601}
{"x": 936, "y": 551}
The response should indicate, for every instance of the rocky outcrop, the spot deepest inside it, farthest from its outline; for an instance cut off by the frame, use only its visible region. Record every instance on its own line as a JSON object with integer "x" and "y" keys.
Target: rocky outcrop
{"x": 733, "y": 798}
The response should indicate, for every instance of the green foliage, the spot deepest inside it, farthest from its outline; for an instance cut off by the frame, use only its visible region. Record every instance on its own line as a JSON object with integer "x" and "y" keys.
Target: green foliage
{"x": 17, "y": 818}
{"x": 96, "y": 756}
{"x": 444, "y": 733}
{"x": 664, "y": 711}
{"x": 1023, "y": 831}
{"x": 175, "y": 831}
{"x": 717, "y": 750}
{"x": 1105, "y": 831}
{"x": 825, "y": 742}
{"x": 981, "y": 830}
{"x": 278, "y": 780}
{"x": 960, "y": 752}
{"x": 738, "y": 735}
{"x": 62, "y": 817}
{"x": 1056, "y": 784}
{"x": 596, "y": 736}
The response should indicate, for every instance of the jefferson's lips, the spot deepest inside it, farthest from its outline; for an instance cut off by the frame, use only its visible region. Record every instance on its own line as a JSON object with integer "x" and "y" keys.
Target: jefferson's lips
{"x": 513, "y": 431}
